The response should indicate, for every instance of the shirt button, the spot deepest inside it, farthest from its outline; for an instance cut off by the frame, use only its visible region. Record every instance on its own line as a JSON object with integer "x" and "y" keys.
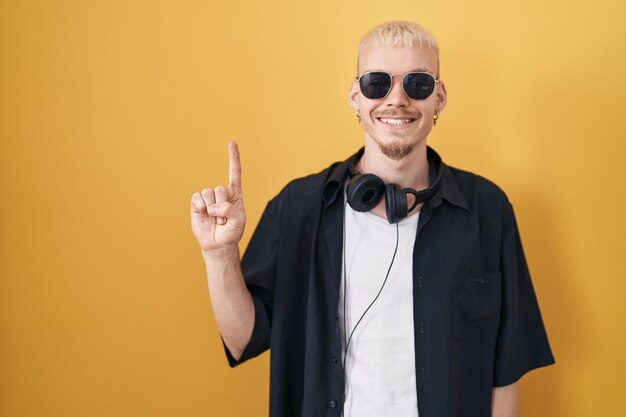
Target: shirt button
{"x": 332, "y": 404}
{"x": 481, "y": 280}
{"x": 335, "y": 360}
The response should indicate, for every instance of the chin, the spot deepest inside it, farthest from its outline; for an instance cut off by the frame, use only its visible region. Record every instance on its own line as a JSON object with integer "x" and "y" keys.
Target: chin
{"x": 396, "y": 150}
{"x": 397, "y": 147}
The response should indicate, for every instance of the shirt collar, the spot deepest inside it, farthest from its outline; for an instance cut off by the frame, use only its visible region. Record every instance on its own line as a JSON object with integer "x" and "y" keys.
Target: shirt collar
{"x": 449, "y": 189}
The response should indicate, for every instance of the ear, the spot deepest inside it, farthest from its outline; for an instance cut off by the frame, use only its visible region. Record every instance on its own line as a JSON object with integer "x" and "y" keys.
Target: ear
{"x": 442, "y": 96}
{"x": 354, "y": 95}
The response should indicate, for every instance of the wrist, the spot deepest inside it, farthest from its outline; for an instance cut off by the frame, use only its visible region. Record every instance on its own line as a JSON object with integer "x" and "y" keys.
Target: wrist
{"x": 224, "y": 254}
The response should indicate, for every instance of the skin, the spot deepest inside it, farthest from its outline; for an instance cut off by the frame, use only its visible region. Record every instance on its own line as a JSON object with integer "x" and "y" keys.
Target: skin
{"x": 218, "y": 216}
{"x": 218, "y": 219}
{"x": 505, "y": 401}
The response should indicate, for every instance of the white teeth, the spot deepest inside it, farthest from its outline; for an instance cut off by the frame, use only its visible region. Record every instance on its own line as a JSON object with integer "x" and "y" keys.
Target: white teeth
{"x": 396, "y": 122}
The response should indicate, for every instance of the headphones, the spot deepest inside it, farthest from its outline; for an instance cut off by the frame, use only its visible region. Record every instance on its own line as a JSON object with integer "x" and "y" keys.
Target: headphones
{"x": 364, "y": 191}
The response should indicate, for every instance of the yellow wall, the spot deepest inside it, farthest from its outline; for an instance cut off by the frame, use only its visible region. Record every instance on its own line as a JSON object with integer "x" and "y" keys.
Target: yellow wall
{"x": 112, "y": 113}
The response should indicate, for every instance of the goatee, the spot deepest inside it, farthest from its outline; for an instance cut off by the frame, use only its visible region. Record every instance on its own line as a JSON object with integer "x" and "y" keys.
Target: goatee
{"x": 396, "y": 151}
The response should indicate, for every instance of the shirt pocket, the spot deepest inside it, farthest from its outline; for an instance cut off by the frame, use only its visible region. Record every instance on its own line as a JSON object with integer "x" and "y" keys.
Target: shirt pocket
{"x": 476, "y": 306}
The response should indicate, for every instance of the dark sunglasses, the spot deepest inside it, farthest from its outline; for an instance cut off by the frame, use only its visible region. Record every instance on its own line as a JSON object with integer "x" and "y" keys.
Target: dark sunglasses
{"x": 377, "y": 84}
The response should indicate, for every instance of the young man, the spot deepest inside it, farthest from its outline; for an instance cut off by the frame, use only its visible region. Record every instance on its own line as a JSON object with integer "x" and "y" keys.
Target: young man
{"x": 389, "y": 284}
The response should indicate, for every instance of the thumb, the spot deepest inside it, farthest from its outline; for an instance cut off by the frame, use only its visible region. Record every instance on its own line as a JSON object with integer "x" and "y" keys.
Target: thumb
{"x": 233, "y": 214}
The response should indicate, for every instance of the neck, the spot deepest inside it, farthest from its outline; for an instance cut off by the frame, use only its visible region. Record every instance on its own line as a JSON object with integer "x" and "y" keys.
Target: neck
{"x": 411, "y": 171}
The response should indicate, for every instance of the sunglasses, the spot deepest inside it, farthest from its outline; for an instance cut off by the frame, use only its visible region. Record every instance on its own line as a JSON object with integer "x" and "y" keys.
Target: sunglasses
{"x": 377, "y": 84}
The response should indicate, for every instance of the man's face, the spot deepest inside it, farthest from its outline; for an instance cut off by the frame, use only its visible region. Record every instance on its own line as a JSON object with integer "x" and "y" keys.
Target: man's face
{"x": 416, "y": 116}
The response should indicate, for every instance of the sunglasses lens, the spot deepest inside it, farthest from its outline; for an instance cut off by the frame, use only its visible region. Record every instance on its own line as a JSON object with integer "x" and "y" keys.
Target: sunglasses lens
{"x": 419, "y": 85}
{"x": 375, "y": 85}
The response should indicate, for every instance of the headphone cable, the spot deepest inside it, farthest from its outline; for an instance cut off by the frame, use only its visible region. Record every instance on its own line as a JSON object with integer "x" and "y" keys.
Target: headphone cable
{"x": 345, "y": 289}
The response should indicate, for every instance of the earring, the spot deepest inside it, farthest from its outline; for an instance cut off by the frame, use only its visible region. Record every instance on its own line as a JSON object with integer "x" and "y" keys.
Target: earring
{"x": 358, "y": 116}
{"x": 435, "y": 117}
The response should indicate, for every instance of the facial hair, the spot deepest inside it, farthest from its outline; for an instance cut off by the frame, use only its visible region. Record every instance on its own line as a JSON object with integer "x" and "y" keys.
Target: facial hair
{"x": 395, "y": 151}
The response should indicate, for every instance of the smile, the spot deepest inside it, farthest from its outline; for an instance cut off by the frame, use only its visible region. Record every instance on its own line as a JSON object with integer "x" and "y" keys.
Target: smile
{"x": 396, "y": 122}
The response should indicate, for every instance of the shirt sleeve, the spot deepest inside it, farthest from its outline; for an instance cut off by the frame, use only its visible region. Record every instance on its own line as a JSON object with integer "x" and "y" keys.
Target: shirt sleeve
{"x": 522, "y": 343}
{"x": 258, "y": 266}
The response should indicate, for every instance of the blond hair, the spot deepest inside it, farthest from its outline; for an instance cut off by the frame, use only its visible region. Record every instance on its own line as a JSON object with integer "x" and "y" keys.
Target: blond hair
{"x": 401, "y": 33}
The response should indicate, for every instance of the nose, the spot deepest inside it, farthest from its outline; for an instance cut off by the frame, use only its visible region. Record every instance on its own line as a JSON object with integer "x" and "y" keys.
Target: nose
{"x": 397, "y": 97}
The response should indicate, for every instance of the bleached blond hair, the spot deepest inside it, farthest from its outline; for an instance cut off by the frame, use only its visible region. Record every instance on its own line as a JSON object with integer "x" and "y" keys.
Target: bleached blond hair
{"x": 400, "y": 33}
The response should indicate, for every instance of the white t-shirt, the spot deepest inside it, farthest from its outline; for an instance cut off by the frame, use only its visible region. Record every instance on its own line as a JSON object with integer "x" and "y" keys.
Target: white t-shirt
{"x": 380, "y": 364}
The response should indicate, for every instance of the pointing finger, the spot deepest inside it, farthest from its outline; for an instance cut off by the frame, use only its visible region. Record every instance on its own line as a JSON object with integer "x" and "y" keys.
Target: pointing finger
{"x": 234, "y": 165}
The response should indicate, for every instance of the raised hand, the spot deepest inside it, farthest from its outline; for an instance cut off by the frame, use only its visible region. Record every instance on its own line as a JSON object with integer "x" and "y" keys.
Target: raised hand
{"x": 217, "y": 215}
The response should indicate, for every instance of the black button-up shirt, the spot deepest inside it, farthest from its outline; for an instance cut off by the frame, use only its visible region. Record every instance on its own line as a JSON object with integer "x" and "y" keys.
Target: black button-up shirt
{"x": 475, "y": 313}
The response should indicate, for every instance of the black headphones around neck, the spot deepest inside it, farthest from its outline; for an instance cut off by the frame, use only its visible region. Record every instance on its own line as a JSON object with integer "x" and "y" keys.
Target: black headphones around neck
{"x": 364, "y": 191}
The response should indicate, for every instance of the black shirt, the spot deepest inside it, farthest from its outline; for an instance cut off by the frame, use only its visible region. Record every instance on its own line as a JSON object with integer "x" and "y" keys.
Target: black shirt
{"x": 477, "y": 320}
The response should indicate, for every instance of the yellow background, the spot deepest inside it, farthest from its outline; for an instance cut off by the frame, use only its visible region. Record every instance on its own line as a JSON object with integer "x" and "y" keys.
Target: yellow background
{"x": 112, "y": 113}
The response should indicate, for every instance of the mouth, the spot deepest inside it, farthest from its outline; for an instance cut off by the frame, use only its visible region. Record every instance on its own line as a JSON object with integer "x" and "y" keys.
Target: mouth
{"x": 396, "y": 123}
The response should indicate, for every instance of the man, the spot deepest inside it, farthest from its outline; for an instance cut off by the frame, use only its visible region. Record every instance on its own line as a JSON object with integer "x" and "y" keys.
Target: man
{"x": 388, "y": 284}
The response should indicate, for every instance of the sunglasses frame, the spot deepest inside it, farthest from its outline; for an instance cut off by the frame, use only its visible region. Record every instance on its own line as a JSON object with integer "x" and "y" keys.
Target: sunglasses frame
{"x": 391, "y": 75}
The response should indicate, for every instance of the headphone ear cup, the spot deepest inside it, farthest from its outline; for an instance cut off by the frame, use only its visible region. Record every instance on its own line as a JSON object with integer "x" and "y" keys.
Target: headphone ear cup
{"x": 364, "y": 192}
{"x": 395, "y": 203}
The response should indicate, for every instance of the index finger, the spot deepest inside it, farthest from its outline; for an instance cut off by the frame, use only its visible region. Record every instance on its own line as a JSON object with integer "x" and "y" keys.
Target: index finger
{"x": 234, "y": 165}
